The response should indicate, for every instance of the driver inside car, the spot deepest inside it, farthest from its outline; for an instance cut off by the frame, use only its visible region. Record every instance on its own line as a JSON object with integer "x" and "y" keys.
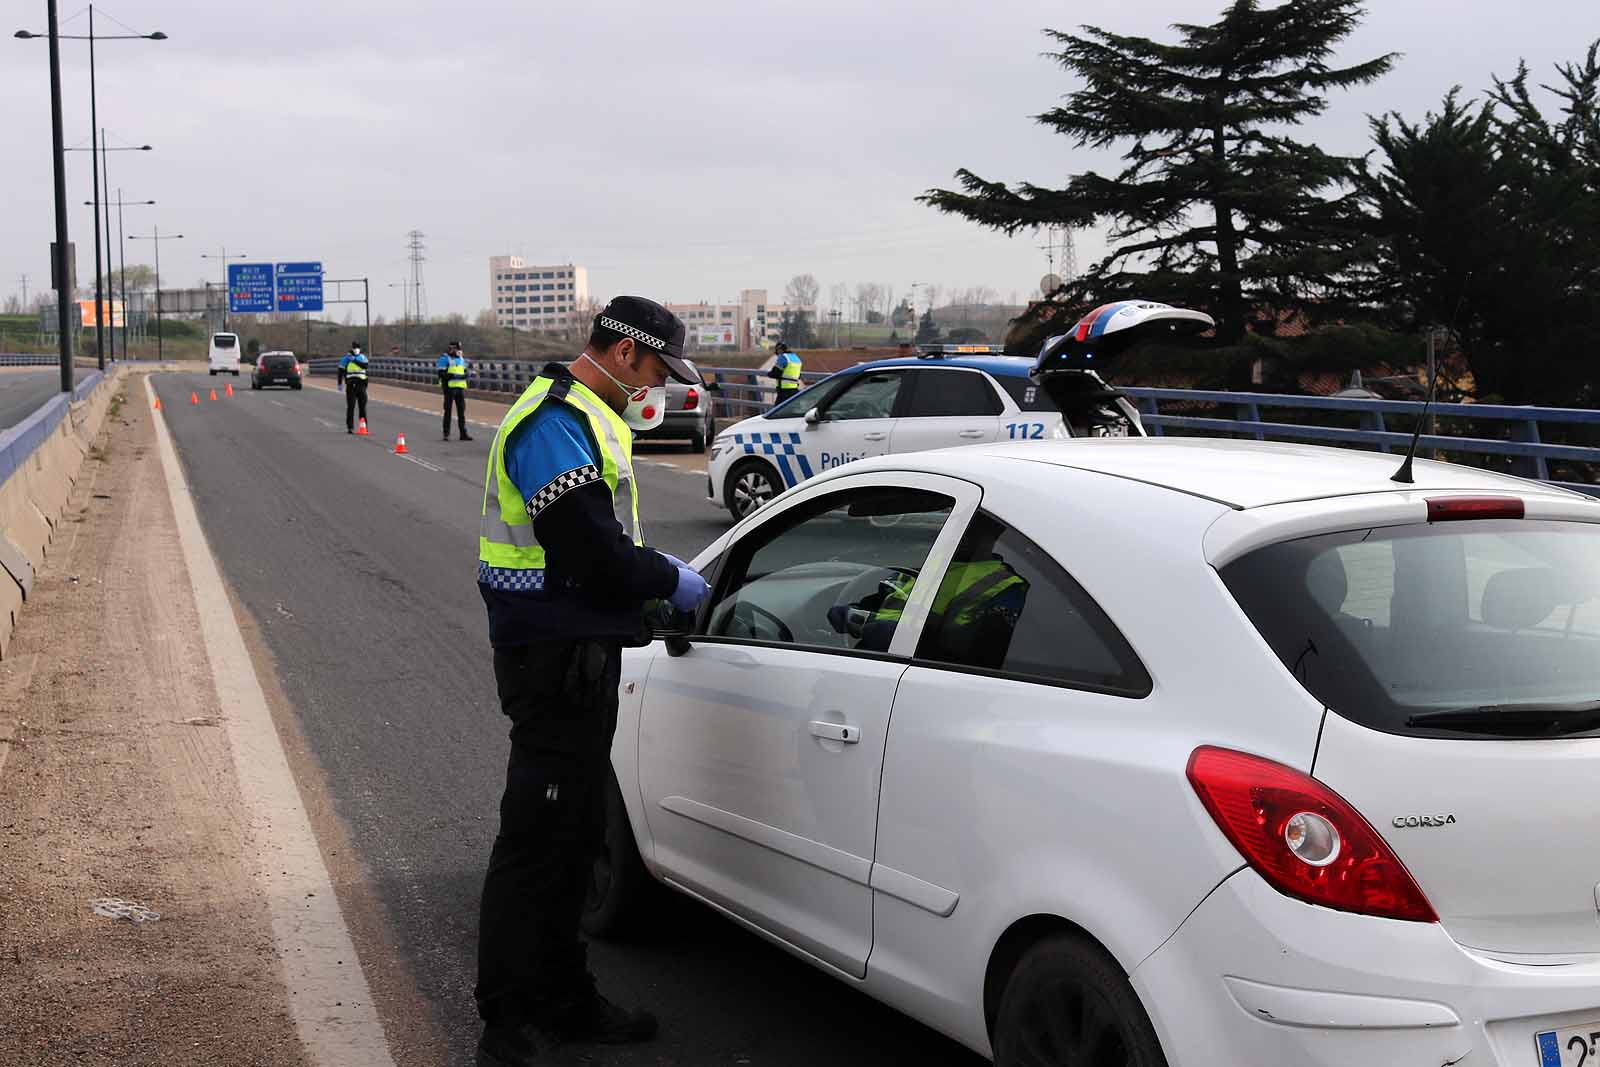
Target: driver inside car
{"x": 973, "y": 615}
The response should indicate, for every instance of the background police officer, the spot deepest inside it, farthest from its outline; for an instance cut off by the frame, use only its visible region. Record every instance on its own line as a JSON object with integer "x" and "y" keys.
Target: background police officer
{"x": 353, "y": 380}
{"x": 453, "y": 381}
{"x": 564, "y": 574}
{"x": 785, "y": 369}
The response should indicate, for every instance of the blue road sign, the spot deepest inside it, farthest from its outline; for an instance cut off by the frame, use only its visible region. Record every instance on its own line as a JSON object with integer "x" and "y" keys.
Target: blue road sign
{"x": 249, "y": 288}
{"x": 299, "y": 286}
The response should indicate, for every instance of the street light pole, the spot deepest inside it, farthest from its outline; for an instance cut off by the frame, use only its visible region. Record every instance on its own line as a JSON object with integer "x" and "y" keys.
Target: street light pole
{"x": 94, "y": 127}
{"x": 105, "y": 172}
{"x": 64, "y": 293}
{"x": 156, "y": 237}
{"x": 227, "y": 296}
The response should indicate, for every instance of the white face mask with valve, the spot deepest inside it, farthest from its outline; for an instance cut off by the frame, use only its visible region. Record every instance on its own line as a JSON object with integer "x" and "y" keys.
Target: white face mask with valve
{"x": 647, "y": 404}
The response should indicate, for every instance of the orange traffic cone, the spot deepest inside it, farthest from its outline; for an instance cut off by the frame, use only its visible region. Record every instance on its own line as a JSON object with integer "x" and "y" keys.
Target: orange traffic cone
{"x": 158, "y": 404}
{"x": 361, "y": 430}
{"x": 230, "y": 388}
{"x": 400, "y": 445}
{"x": 213, "y": 394}
{"x": 194, "y": 398}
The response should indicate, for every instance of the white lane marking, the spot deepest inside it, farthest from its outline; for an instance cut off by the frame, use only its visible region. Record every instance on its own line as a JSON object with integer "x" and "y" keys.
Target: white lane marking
{"x": 418, "y": 462}
{"x": 328, "y": 995}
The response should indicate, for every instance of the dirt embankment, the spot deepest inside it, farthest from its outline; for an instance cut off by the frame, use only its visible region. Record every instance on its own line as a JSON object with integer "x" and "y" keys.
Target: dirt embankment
{"x": 117, "y": 783}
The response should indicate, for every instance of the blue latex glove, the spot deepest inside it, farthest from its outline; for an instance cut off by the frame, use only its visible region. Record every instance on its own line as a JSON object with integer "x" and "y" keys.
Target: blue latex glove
{"x": 691, "y": 589}
{"x": 670, "y": 558}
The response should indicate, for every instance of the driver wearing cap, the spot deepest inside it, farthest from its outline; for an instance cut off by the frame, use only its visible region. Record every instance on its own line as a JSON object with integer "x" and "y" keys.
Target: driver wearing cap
{"x": 564, "y": 573}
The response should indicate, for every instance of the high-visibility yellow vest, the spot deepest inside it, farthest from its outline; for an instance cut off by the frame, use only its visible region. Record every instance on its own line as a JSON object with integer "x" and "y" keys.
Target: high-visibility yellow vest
{"x": 506, "y": 541}
{"x": 456, "y": 372}
{"x": 354, "y": 368}
{"x": 791, "y": 373}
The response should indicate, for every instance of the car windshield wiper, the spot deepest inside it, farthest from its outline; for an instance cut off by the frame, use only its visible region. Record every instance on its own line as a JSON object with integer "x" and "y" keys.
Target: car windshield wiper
{"x": 1572, "y": 717}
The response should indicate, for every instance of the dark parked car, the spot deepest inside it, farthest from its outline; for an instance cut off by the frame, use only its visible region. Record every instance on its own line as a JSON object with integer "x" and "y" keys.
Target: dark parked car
{"x": 689, "y": 416}
{"x": 276, "y": 368}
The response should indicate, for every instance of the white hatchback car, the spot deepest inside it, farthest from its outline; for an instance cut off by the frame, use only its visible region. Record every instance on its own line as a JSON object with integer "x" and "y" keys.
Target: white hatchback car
{"x": 1147, "y": 751}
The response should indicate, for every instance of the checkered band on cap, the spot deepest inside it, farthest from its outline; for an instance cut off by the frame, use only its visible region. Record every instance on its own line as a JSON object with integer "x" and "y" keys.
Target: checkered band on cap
{"x": 561, "y": 486}
{"x": 632, "y": 331}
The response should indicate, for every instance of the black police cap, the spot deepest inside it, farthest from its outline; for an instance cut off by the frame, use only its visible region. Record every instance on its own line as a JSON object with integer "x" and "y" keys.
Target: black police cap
{"x": 653, "y": 326}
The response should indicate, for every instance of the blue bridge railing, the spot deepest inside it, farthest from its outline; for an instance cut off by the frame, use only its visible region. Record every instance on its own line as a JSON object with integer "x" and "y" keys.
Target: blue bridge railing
{"x": 1559, "y": 445}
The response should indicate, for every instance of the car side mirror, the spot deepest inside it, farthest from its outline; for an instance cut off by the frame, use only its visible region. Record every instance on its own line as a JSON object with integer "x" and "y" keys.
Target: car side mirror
{"x": 813, "y": 417}
{"x": 669, "y": 625}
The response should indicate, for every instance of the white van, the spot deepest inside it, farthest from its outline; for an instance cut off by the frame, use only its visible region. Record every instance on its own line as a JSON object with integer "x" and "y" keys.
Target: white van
{"x": 225, "y": 353}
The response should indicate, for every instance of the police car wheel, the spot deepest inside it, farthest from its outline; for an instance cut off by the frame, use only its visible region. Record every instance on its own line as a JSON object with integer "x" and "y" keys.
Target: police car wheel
{"x": 751, "y": 483}
{"x": 617, "y": 895}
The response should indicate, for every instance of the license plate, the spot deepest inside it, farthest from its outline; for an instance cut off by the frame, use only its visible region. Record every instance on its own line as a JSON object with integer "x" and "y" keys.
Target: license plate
{"x": 1574, "y": 1046}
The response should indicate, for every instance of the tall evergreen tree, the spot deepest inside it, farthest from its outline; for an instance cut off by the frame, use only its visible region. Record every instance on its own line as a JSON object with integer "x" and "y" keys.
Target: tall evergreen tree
{"x": 1213, "y": 207}
{"x": 1488, "y": 219}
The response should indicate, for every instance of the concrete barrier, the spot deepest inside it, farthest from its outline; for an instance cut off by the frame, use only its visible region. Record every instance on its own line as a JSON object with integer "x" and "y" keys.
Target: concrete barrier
{"x": 41, "y": 459}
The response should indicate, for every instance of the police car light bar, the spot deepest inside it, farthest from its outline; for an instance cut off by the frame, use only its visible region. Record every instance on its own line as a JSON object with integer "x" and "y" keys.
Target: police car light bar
{"x": 936, "y": 351}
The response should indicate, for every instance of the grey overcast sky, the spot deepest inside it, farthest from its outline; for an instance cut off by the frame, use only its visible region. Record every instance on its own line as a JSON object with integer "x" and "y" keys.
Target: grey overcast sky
{"x": 682, "y": 149}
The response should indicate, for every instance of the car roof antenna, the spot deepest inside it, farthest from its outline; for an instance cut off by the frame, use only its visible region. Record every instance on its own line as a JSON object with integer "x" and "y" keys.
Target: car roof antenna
{"x": 1403, "y": 475}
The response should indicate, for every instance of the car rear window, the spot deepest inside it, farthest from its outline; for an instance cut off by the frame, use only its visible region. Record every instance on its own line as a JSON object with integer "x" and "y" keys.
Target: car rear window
{"x": 1389, "y": 623}
{"x": 278, "y": 362}
{"x": 224, "y": 340}
{"x": 951, "y": 392}
{"x": 1027, "y": 393}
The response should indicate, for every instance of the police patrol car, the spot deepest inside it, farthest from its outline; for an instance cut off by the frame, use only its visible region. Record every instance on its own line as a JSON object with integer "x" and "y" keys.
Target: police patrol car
{"x": 948, "y": 395}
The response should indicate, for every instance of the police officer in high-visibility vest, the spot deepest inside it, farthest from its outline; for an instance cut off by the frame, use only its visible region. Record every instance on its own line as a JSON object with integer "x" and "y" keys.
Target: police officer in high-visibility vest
{"x": 786, "y": 370}
{"x": 352, "y": 379}
{"x": 453, "y": 382}
{"x": 565, "y": 574}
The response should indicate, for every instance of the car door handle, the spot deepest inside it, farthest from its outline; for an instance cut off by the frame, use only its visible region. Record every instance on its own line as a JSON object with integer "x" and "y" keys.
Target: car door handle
{"x": 970, "y": 433}
{"x": 876, "y": 435}
{"x": 836, "y": 731}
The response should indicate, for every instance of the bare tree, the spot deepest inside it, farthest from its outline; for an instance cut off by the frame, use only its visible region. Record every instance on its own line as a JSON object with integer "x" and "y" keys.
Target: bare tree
{"x": 801, "y": 292}
{"x": 13, "y": 304}
{"x": 485, "y": 319}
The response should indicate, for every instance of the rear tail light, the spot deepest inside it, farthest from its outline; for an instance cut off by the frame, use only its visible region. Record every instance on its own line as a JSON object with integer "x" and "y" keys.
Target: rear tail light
{"x": 1303, "y": 838}
{"x": 1453, "y": 508}
{"x": 297, "y": 368}
{"x": 691, "y": 399}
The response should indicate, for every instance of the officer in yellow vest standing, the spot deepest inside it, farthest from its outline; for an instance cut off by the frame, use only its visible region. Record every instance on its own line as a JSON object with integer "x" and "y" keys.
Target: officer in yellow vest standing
{"x": 785, "y": 370}
{"x": 453, "y": 381}
{"x": 565, "y": 574}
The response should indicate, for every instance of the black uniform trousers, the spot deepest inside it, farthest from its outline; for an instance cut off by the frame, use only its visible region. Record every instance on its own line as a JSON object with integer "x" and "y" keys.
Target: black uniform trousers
{"x": 456, "y": 398}
{"x": 561, "y": 697}
{"x": 355, "y": 393}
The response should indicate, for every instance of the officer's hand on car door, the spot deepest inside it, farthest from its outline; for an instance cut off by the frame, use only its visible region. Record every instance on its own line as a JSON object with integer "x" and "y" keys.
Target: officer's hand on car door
{"x": 691, "y": 587}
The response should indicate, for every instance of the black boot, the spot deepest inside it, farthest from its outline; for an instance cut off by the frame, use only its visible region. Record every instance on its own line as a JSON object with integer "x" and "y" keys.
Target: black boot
{"x": 513, "y": 1045}
{"x": 591, "y": 1018}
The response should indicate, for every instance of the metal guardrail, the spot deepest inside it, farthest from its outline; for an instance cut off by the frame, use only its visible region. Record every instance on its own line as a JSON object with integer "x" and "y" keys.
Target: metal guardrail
{"x": 1523, "y": 449}
{"x": 739, "y": 392}
{"x": 19, "y": 442}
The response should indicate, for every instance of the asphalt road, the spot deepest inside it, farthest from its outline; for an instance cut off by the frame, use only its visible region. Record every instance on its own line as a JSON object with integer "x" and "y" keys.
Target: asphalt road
{"x": 22, "y": 391}
{"x": 359, "y": 567}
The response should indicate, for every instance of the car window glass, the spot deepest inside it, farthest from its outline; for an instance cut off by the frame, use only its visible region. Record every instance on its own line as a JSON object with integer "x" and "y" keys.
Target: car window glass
{"x": 814, "y": 396}
{"x": 223, "y": 340}
{"x": 1027, "y": 393}
{"x": 870, "y": 396}
{"x": 1384, "y": 624}
{"x": 1006, "y": 606}
{"x": 943, "y": 393}
{"x": 835, "y": 575}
